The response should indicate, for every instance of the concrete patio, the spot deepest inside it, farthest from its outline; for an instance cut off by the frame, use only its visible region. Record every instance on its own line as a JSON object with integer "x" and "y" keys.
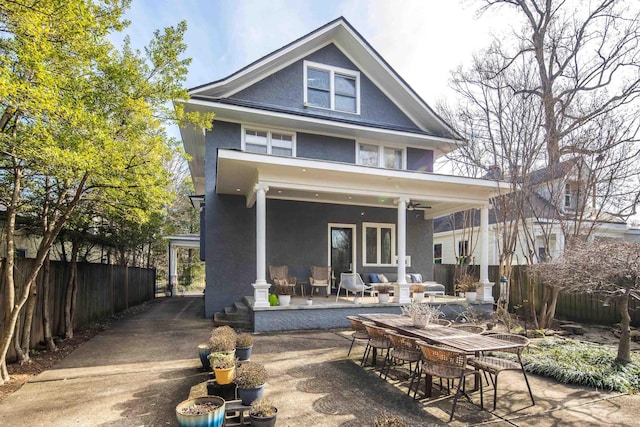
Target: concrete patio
{"x": 137, "y": 371}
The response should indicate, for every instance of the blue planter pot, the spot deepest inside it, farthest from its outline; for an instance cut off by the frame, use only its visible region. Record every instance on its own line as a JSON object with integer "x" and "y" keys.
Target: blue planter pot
{"x": 248, "y": 395}
{"x": 213, "y": 418}
{"x": 243, "y": 353}
{"x": 203, "y": 352}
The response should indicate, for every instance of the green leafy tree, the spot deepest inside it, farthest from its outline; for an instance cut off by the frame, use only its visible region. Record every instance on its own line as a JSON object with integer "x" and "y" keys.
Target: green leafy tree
{"x": 84, "y": 117}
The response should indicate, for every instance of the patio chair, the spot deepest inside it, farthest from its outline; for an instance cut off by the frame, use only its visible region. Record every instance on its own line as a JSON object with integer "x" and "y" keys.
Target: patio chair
{"x": 279, "y": 275}
{"x": 495, "y": 365}
{"x": 447, "y": 363}
{"x": 403, "y": 349}
{"x": 378, "y": 341}
{"x": 359, "y": 333}
{"x": 320, "y": 278}
{"x": 352, "y": 282}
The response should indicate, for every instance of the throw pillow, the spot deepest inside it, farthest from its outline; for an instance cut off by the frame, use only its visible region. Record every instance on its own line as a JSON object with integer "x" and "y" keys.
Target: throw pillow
{"x": 373, "y": 278}
{"x": 416, "y": 278}
{"x": 383, "y": 278}
{"x": 408, "y": 278}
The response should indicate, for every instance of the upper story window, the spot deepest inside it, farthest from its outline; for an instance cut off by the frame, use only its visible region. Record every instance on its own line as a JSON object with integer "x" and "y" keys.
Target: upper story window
{"x": 380, "y": 156}
{"x": 268, "y": 142}
{"x": 567, "y": 196}
{"x": 437, "y": 253}
{"x": 379, "y": 244}
{"x": 332, "y": 88}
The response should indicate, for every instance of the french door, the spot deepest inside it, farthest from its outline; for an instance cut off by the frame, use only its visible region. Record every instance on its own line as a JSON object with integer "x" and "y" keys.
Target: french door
{"x": 342, "y": 250}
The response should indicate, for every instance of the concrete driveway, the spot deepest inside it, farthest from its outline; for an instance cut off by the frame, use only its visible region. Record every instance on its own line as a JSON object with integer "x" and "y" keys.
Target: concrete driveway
{"x": 135, "y": 373}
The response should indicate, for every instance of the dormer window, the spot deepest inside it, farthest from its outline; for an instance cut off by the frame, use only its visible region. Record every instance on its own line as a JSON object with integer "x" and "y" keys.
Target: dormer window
{"x": 268, "y": 142}
{"x": 332, "y": 88}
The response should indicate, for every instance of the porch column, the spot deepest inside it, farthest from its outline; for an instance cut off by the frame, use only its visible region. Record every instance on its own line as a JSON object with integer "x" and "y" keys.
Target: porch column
{"x": 173, "y": 269}
{"x": 486, "y": 294}
{"x": 261, "y": 287}
{"x": 403, "y": 286}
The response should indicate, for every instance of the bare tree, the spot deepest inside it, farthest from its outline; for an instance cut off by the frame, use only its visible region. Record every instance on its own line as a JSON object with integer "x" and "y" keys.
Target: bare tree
{"x": 607, "y": 269}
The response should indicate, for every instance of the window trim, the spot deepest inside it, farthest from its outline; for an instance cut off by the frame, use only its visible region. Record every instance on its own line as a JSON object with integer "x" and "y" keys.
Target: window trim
{"x": 332, "y": 94}
{"x": 243, "y": 139}
{"x": 381, "y": 148}
{"x": 378, "y": 226}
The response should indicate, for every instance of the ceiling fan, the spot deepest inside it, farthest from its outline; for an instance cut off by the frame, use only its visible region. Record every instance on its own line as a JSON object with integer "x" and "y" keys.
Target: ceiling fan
{"x": 412, "y": 206}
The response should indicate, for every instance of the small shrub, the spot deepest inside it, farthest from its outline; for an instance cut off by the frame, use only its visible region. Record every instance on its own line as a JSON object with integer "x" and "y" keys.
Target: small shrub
{"x": 262, "y": 408}
{"x": 221, "y": 343}
{"x": 385, "y": 419}
{"x": 384, "y": 288}
{"x": 221, "y": 362}
{"x": 251, "y": 375}
{"x": 244, "y": 339}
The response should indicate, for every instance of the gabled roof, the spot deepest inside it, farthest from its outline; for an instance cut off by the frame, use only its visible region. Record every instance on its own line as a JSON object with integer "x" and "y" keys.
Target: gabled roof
{"x": 553, "y": 172}
{"x": 358, "y": 50}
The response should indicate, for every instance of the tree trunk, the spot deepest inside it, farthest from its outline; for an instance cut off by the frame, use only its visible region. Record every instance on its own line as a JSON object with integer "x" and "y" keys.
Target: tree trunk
{"x": 46, "y": 313}
{"x": 549, "y": 303}
{"x": 624, "y": 345}
{"x": 30, "y": 311}
{"x": 72, "y": 285}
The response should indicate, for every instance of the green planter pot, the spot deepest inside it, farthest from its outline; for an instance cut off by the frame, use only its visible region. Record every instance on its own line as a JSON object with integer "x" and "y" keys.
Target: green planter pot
{"x": 213, "y": 418}
{"x": 203, "y": 353}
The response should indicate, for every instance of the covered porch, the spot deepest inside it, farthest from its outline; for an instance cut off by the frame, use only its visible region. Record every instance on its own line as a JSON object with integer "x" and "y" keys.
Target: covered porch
{"x": 427, "y": 195}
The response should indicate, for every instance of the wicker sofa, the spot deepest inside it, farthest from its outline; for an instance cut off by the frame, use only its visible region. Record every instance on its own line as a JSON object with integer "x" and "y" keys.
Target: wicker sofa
{"x": 430, "y": 287}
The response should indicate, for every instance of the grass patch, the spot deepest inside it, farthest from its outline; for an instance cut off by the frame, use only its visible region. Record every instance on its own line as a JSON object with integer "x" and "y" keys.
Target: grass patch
{"x": 574, "y": 362}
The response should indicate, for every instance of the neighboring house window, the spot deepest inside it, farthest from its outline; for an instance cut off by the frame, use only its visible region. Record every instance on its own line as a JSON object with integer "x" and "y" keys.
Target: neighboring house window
{"x": 542, "y": 254}
{"x": 21, "y": 253}
{"x": 332, "y": 88}
{"x": 380, "y": 156}
{"x": 269, "y": 142}
{"x": 379, "y": 244}
{"x": 437, "y": 253}
{"x": 463, "y": 252}
{"x": 567, "y": 195}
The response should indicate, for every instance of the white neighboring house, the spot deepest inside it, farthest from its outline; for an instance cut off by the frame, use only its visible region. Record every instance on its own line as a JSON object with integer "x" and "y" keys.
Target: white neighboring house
{"x": 556, "y": 195}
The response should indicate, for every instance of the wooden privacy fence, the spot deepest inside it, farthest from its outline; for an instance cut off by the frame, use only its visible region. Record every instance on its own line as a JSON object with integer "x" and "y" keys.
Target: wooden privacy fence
{"x": 103, "y": 290}
{"x": 575, "y": 307}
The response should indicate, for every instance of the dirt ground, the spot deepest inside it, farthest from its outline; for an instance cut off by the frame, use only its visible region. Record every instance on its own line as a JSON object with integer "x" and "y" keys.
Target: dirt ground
{"x": 42, "y": 359}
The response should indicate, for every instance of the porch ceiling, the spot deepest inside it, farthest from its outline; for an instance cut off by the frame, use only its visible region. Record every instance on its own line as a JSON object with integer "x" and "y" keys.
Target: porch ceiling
{"x": 342, "y": 183}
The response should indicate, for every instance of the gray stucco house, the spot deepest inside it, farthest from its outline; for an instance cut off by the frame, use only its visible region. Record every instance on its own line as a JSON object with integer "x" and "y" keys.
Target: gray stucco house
{"x": 320, "y": 154}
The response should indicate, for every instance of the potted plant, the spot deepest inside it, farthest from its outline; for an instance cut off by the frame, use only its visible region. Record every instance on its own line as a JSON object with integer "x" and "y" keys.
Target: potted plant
{"x": 250, "y": 379}
{"x": 223, "y": 368}
{"x": 263, "y": 413}
{"x": 222, "y": 343}
{"x": 203, "y": 353}
{"x": 310, "y": 300}
{"x": 467, "y": 285}
{"x": 244, "y": 344}
{"x": 383, "y": 292}
{"x": 386, "y": 419}
{"x": 418, "y": 293}
{"x": 284, "y": 293}
{"x": 201, "y": 411}
{"x": 421, "y": 314}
